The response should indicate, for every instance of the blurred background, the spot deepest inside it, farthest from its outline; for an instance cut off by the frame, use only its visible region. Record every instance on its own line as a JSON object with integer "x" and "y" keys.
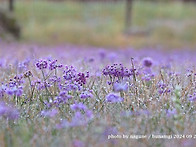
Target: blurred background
{"x": 102, "y": 23}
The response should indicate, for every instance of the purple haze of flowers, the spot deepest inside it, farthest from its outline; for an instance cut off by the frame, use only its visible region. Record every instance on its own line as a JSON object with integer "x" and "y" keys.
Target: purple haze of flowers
{"x": 113, "y": 98}
{"x": 8, "y": 112}
{"x": 79, "y": 119}
{"x": 102, "y": 54}
{"x": 49, "y": 113}
{"x": 147, "y": 62}
{"x": 118, "y": 87}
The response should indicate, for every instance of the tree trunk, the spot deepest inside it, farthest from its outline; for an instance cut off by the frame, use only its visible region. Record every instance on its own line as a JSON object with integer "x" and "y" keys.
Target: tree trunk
{"x": 11, "y": 5}
{"x": 128, "y": 14}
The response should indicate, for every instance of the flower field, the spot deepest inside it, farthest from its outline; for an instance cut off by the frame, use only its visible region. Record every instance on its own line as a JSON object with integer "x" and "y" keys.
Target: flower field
{"x": 87, "y": 96}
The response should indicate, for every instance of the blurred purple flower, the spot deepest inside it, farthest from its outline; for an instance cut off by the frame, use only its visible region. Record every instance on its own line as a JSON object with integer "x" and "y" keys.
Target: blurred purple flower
{"x": 147, "y": 62}
{"x": 18, "y": 91}
{"x": 170, "y": 112}
{"x": 49, "y": 113}
{"x": 118, "y": 87}
{"x": 192, "y": 98}
{"x": 79, "y": 106}
{"x": 8, "y": 112}
{"x": 113, "y": 98}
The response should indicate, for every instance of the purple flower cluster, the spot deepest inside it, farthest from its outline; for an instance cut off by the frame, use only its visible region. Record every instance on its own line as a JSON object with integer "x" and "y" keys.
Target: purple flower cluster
{"x": 53, "y": 65}
{"x": 13, "y": 87}
{"x": 163, "y": 88}
{"x": 118, "y": 71}
{"x": 62, "y": 98}
{"x": 42, "y": 64}
{"x": 70, "y": 74}
{"x": 81, "y": 78}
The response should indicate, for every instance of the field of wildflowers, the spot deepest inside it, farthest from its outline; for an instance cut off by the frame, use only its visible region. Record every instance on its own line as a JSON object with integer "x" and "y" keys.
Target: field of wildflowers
{"x": 86, "y": 96}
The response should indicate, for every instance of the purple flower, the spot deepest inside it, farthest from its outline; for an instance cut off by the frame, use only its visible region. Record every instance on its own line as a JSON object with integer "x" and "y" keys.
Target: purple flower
{"x": 102, "y": 54}
{"x": 42, "y": 64}
{"x": 49, "y": 113}
{"x": 8, "y": 112}
{"x": 54, "y": 79}
{"x": 79, "y": 106}
{"x": 81, "y": 78}
{"x": 163, "y": 88}
{"x": 28, "y": 74}
{"x": 85, "y": 95}
{"x": 71, "y": 75}
{"x": 113, "y": 98}
{"x": 53, "y": 65}
{"x": 192, "y": 98}
{"x": 78, "y": 119}
{"x": 170, "y": 112}
{"x": 18, "y": 91}
{"x": 117, "y": 71}
{"x": 118, "y": 87}
{"x": 62, "y": 98}
{"x": 147, "y": 62}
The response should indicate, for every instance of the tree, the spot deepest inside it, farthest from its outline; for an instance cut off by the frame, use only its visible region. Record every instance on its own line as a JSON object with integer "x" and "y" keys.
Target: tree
{"x": 128, "y": 15}
{"x": 11, "y": 5}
